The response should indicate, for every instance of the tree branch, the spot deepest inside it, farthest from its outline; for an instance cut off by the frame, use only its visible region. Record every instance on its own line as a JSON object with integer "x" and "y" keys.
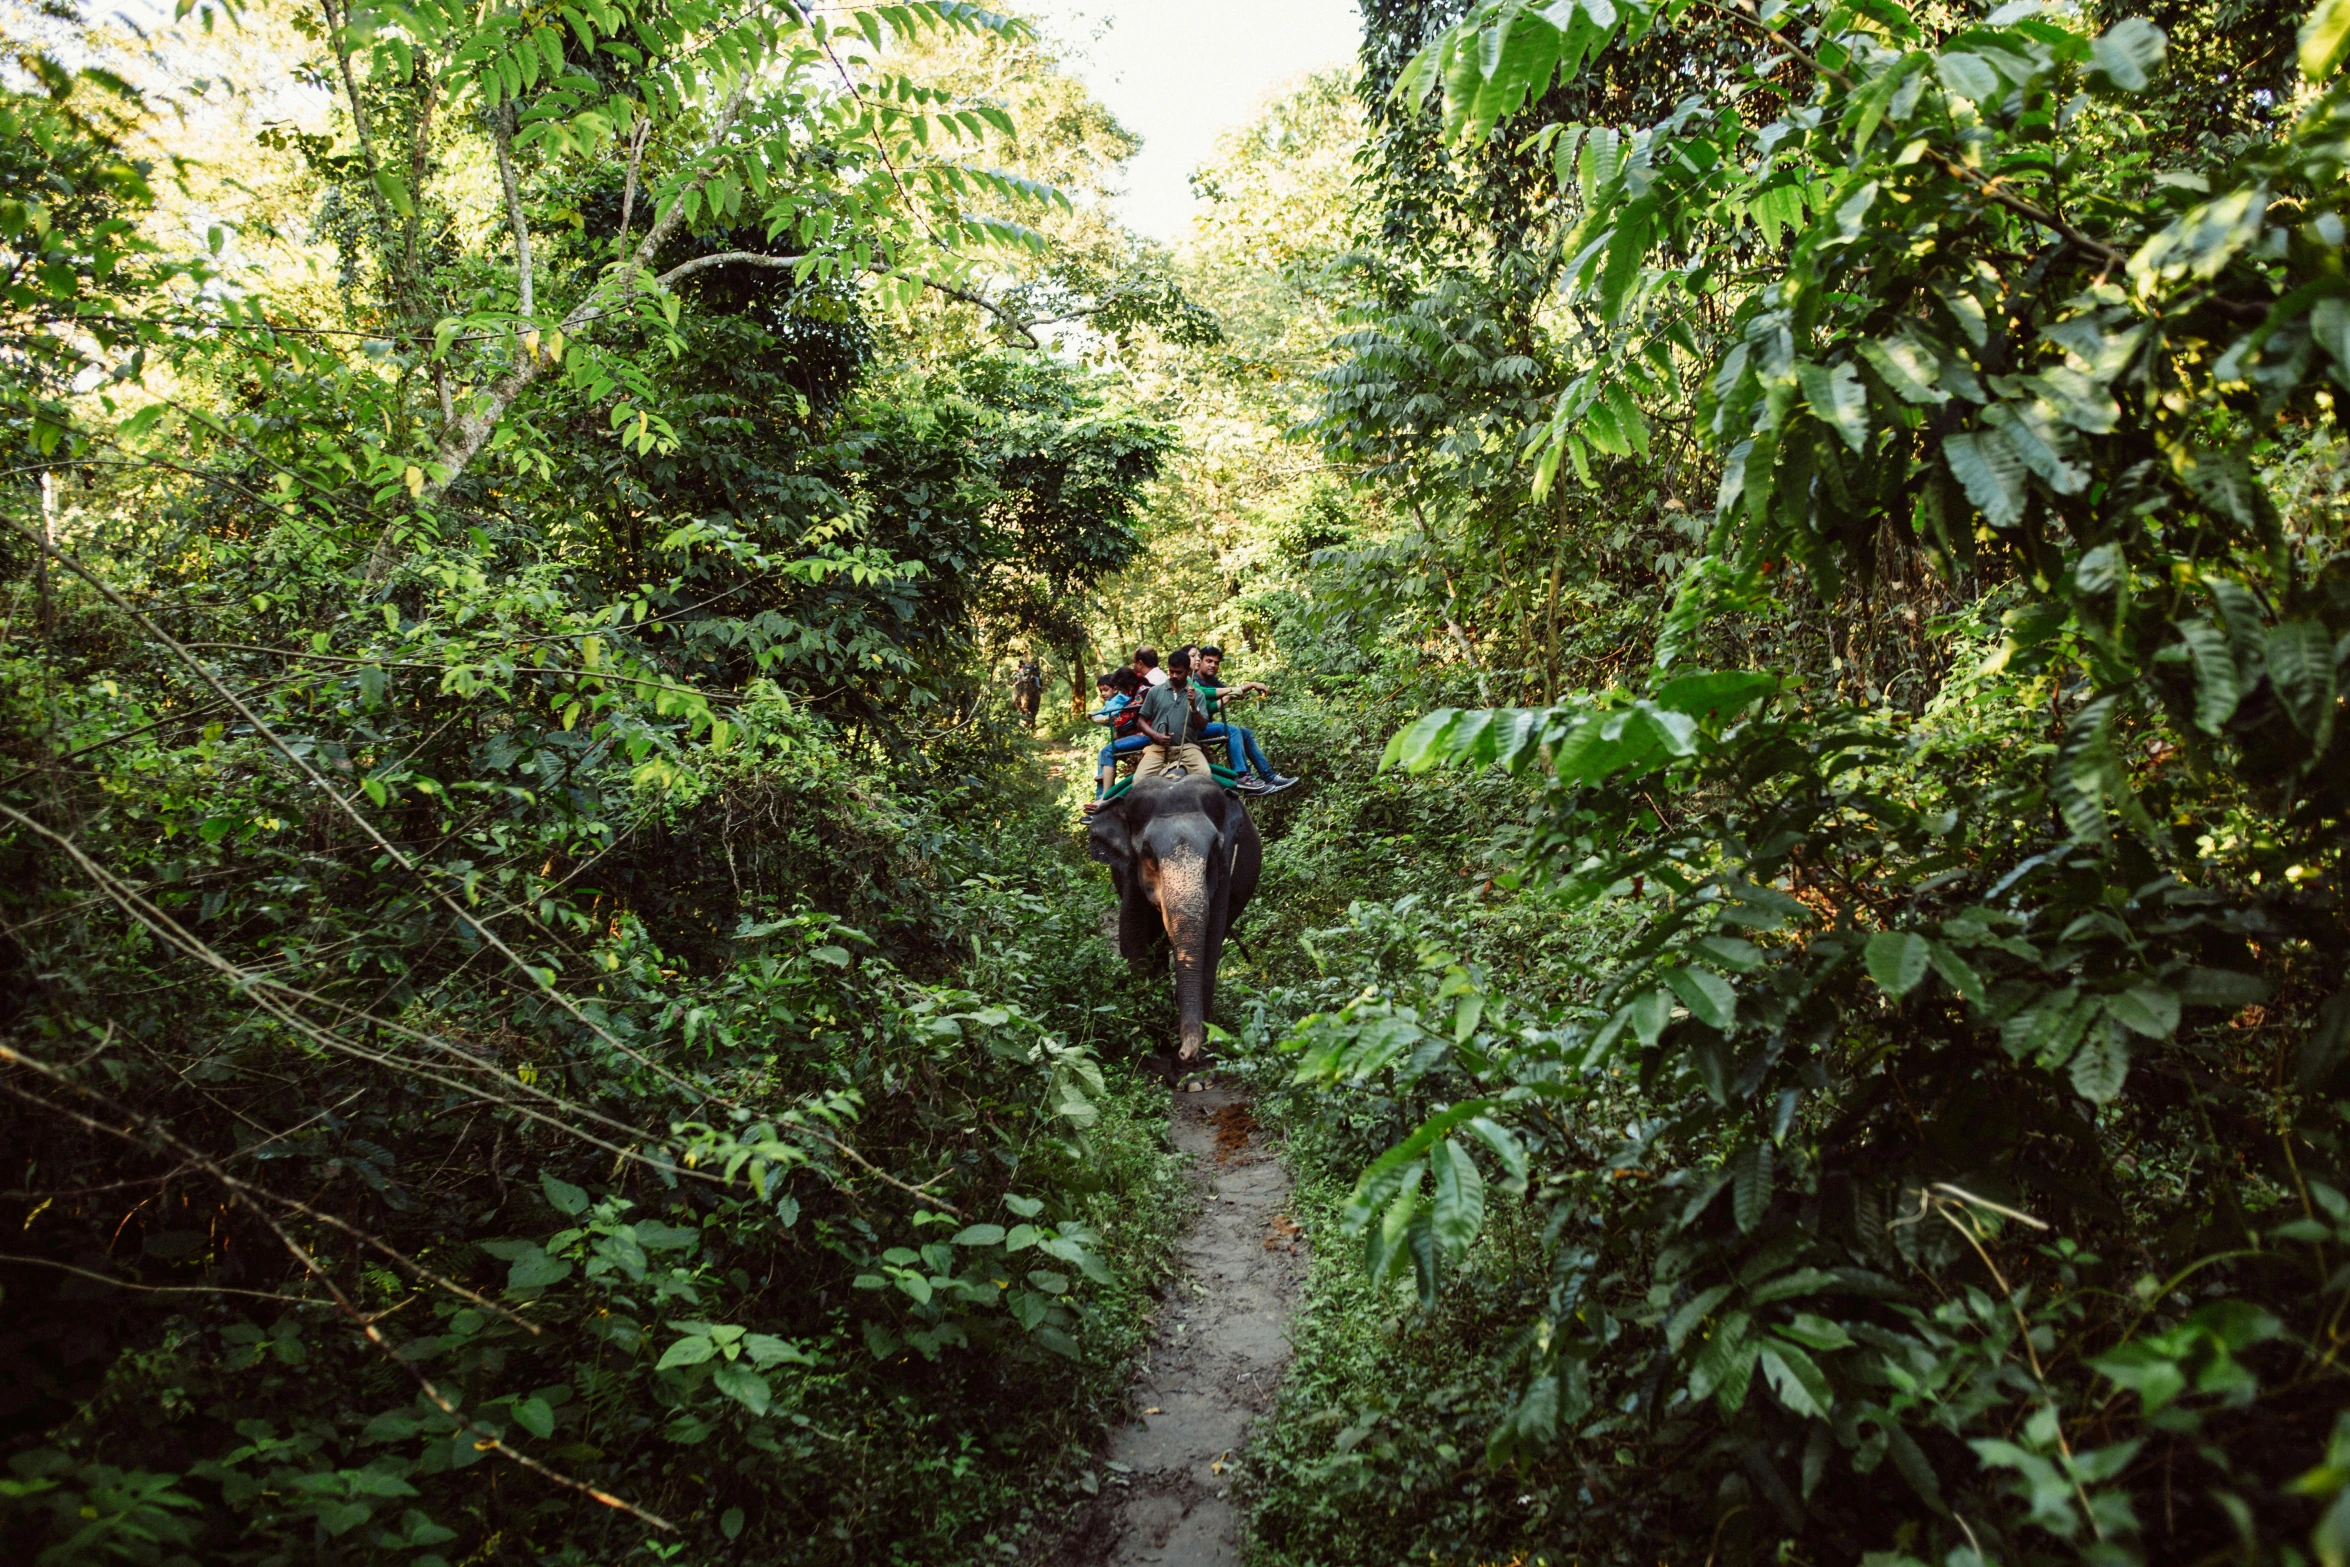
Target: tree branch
{"x": 753, "y": 258}
{"x": 502, "y": 131}
{"x": 462, "y": 441}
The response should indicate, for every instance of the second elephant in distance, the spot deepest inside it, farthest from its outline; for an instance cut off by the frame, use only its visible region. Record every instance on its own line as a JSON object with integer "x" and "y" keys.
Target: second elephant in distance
{"x": 1185, "y": 859}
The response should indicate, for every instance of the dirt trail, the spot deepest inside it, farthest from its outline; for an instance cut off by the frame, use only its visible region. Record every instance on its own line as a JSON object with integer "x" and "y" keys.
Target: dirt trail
{"x": 1218, "y": 1357}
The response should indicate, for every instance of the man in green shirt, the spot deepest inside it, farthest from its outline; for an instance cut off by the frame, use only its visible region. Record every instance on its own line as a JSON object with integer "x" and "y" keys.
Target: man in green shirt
{"x": 1172, "y": 720}
{"x": 1248, "y": 758}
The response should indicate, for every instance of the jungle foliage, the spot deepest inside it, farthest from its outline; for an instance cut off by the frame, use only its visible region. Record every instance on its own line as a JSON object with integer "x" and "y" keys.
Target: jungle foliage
{"x": 1921, "y": 1138}
{"x": 535, "y": 1025}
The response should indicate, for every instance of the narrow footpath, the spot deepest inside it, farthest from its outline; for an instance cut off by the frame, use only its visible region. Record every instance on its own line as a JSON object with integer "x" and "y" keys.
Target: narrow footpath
{"x": 1217, "y": 1359}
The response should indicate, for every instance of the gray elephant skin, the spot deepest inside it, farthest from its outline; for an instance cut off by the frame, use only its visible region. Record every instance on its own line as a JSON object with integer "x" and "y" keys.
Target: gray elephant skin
{"x": 1185, "y": 858}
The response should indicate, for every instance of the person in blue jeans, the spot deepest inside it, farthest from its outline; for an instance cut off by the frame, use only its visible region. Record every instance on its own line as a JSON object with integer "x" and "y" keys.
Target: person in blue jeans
{"x": 1120, "y": 713}
{"x": 1248, "y": 757}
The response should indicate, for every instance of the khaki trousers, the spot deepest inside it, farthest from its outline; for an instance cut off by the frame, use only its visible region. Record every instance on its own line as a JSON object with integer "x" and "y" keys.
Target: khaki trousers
{"x": 1158, "y": 758}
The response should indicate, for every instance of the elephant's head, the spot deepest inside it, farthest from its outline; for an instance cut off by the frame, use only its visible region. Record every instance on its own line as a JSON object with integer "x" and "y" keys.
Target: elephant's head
{"x": 1176, "y": 852}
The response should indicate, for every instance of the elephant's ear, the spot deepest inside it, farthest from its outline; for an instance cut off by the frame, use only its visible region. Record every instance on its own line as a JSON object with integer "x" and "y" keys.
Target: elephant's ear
{"x": 1107, "y": 838}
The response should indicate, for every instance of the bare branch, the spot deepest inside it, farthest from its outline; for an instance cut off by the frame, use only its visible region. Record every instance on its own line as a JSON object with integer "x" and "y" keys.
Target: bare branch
{"x": 502, "y": 133}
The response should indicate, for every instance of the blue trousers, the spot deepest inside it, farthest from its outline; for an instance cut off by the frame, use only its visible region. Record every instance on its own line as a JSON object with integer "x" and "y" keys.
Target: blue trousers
{"x": 1246, "y": 754}
{"x": 1125, "y": 745}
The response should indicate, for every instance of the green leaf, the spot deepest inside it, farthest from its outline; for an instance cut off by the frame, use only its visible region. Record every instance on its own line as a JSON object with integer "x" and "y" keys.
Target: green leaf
{"x": 2146, "y": 1009}
{"x": 1750, "y": 1184}
{"x": 980, "y": 1235}
{"x": 1838, "y": 400}
{"x": 1715, "y": 693}
{"x": 745, "y": 1386}
{"x": 394, "y": 191}
{"x": 2331, "y": 1538}
{"x": 654, "y": 1235}
{"x": 2047, "y": 1028}
{"x": 1898, "y": 959}
{"x": 535, "y": 1270}
{"x": 1383, "y": 1242}
{"x": 1958, "y": 974}
{"x": 2219, "y": 987}
{"x": 1796, "y": 1378}
{"x": 2101, "y": 1064}
{"x": 1683, "y": 1322}
{"x": 1815, "y": 1331}
{"x": 1651, "y": 1011}
{"x": 565, "y": 1197}
{"x": 1822, "y": 1281}
{"x": 2201, "y": 242}
{"x": 396, "y": 1425}
{"x": 1907, "y": 366}
{"x": 2128, "y": 53}
{"x": 1414, "y": 747}
{"x": 2301, "y": 668}
{"x": 2216, "y": 688}
{"x": 1458, "y": 1197}
{"x": 1706, "y": 994}
{"x": 2149, "y": 1369}
{"x": 2327, "y": 1042}
{"x": 1915, "y": 1467}
{"x": 340, "y": 1518}
{"x": 1968, "y": 75}
{"x": 1725, "y": 1363}
{"x": 1402, "y": 1164}
{"x": 1734, "y": 953}
{"x": 1991, "y": 472}
{"x": 1505, "y": 1146}
{"x": 2101, "y": 570}
{"x": 535, "y": 1416}
{"x": 2325, "y": 37}
{"x": 691, "y": 1350}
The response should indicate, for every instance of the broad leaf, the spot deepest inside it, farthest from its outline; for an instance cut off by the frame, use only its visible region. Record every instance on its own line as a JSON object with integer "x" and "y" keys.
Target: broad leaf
{"x": 2216, "y": 690}
{"x": 2101, "y": 1064}
{"x": 535, "y": 1270}
{"x": 2325, "y": 37}
{"x": 2301, "y": 668}
{"x": 1796, "y": 1378}
{"x": 1706, "y": 994}
{"x": 2145, "y": 1009}
{"x": 565, "y": 1197}
{"x": 1838, "y": 400}
{"x": 689, "y": 1351}
{"x": 1457, "y": 1197}
{"x": 1957, "y": 973}
{"x": 2128, "y": 53}
{"x": 1750, "y": 1184}
{"x": 1898, "y": 959}
{"x": 745, "y": 1386}
{"x": 1991, "y": 471}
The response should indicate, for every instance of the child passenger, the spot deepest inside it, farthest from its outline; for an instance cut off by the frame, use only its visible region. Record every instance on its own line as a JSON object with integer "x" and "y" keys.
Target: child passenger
{"x": 1120, "y": 713}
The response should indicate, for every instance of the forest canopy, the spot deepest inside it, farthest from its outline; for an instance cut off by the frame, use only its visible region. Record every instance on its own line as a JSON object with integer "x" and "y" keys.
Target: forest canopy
{"x": 554, "y": 1012}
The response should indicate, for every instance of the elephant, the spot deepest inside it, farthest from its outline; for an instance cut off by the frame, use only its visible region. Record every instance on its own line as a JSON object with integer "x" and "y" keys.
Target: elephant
{"x": 1028, "y": 690}
{"x": 1185, "y": 859}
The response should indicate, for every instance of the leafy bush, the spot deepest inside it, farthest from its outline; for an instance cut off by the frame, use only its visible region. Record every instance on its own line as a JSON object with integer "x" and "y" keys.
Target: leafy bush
{"x": 1982, "y": 1048}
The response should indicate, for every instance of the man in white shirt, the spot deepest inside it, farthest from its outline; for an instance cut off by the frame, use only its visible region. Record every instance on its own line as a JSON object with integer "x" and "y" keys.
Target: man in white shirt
{"x": 1146, "y": 667}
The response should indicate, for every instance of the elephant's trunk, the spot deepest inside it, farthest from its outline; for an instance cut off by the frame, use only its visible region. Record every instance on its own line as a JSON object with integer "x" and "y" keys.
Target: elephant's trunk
{"x": 1183, "y": 905}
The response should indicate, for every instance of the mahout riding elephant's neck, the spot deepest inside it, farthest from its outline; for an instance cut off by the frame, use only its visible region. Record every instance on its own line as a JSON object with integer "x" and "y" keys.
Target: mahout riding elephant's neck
{"x": 1185, "y": 858}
